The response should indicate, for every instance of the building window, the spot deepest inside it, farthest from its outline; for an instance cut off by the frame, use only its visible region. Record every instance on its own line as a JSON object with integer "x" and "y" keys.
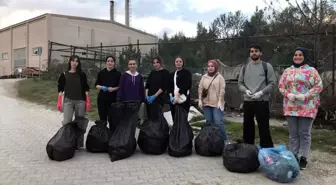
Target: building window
{"x": 37, "y": 51}
{"x": 4, "y": 56}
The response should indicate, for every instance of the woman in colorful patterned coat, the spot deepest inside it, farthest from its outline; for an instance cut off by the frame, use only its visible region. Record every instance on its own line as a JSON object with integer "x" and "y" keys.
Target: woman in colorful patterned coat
{"x": 300, "y": 85}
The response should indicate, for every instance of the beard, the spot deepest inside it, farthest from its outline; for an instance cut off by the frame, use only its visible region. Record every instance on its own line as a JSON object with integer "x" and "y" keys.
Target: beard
{"x": 255, "y": 57}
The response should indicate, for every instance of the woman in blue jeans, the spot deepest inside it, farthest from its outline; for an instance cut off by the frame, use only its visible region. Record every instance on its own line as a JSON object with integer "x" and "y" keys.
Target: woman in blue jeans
{"x": 211, "y": 91}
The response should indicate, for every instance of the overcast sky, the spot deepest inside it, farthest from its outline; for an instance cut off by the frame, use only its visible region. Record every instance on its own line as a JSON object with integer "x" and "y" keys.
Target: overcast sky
{"x": 152, "y": 16}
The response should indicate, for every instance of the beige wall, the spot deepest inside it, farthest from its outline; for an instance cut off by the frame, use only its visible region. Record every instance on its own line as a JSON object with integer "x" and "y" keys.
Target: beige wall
{"x": 76, "y": 31}
{"x": 38, "y": 38}
{"x": 5, "y": 47}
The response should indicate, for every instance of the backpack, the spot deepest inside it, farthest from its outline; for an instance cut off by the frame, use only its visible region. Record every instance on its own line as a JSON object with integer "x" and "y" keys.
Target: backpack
{"x": 264, "y": 64}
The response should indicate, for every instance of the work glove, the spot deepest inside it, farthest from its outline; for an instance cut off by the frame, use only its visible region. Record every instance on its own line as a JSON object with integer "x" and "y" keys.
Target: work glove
{"x": 300, "y": 97}
{"x": 104, "y": 88}
{"x": 171, "y": 98}
{"x": 257, "y": 95}
{"x": 248, "y": 93}
{"x": 291, "y": 96}
{"x": 59, "y": 103}
{"x": 88, "y": 103}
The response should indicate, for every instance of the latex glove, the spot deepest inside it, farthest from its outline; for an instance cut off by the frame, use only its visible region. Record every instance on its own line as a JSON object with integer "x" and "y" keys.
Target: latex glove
{"x": 104, "y": 88}
{"x": 200, "y": 104}
{"x": 291, "y": 96}
{"x": 171, "y": 98}
{"x": 248, "y": 93}
{"x": 88, "y": 103}
{"x": 59, "y": 103}
{"x": 152, "y": 98}
{"x": 220, "y": 106}
{"x": 300, "y": 97}
{"x": 257, "y": 95}
{"x": 148, "y": 99}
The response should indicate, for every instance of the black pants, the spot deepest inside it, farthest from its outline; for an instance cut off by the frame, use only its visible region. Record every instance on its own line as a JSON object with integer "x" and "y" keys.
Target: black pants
{"x": 104, "y": 108}
{"x": 260, "y": 110}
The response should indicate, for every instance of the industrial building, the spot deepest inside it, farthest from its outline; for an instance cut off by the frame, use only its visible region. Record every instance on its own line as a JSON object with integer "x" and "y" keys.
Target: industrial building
{"x": 26, "y": 44}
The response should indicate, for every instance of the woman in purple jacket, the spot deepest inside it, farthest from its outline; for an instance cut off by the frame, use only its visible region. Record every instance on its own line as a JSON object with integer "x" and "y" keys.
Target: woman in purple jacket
{"x": 131, "y": 85}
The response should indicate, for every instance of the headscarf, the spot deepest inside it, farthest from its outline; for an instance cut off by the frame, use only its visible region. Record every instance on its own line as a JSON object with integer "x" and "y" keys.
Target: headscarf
{"x": 215, "y": 64}
{"x": 305, "y": 55}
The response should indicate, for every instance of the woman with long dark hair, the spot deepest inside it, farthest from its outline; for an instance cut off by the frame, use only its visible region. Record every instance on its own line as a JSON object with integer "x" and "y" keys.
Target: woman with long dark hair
{"x": 108, "y": 84}
{"x": 301, "y": 85}
{"x": 179, "y": 87}
{"x": 157, "y": 83}
{"x": 73, "y": 83}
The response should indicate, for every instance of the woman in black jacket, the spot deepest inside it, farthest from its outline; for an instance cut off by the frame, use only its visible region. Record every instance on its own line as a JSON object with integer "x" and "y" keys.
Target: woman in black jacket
{"x": 108, "y": 84}
{"x": 179, "y": 87}
{"x": 73, "y": 83}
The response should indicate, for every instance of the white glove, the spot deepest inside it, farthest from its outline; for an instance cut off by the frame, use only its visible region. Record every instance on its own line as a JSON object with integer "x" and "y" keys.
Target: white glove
{"x": 300, "y": 97}
{"x": 248, "y": 93}
{"x": 291, "y": 96}
{"x": 257, "y": 95}
{"x": 200, "y": 104}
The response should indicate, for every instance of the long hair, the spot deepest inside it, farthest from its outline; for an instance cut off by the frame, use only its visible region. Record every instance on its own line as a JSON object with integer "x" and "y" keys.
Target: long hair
{"x": 79, "y": 66}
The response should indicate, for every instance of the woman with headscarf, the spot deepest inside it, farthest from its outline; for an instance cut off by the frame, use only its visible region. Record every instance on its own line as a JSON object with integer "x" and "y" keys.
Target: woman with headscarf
{"x": 211, "y": 89}
{"x": 179, "y": 87}
{"x": 300, "y": 84}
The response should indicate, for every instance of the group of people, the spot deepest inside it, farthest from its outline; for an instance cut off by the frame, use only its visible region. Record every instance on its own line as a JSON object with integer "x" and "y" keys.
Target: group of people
{"x": 300, "y": 85}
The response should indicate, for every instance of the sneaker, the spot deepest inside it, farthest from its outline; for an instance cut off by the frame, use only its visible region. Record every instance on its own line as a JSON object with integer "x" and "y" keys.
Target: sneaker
{"x": 303, "y": 163}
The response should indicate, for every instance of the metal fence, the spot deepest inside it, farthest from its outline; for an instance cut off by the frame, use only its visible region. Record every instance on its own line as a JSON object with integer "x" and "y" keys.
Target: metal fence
{"x": 232, "y": 52}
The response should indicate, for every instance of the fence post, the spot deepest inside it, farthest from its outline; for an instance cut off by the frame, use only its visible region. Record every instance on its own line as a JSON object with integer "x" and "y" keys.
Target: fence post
{"x": 101, "y": 57}
{"x": 138, "y": 53}
{"x": 70, "y": 50}
{"x": 74, "y": 51}
{"x": 49, "y": 56}
{"x": 333, "y": 58}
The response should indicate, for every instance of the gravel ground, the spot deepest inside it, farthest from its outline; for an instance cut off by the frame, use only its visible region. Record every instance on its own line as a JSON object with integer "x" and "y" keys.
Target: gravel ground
{"x": 25, "y": 128}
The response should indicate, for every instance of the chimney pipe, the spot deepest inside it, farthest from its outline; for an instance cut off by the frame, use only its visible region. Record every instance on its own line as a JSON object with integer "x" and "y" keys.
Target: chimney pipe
{"x": 127, "y": 14}
{"x": 111, "y": 10}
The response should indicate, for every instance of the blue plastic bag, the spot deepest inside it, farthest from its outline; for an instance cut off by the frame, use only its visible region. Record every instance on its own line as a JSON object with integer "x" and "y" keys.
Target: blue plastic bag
{"x": 278, "y": 164}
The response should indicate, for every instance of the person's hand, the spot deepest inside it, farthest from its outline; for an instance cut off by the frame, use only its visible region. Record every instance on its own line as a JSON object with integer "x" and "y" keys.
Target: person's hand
{"x": 152, "y": 98}
{"x": 59, "y": 103}
{"x": 147, "y": 99}
{"x": 88, "y": 103}
{"x": 291, "y": 96}
{"x": 171, "y": 98}
{"x": 248, "y": 93}
{"x": 300, "y": 97}
{"x": 257, "y": 95}
{"x": 200, "y": 104}
{"x": 110, "y": 89}
{"x": 104, "y": 88}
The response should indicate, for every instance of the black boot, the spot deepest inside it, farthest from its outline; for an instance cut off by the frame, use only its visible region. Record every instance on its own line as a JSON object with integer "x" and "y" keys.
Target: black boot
{"x": 303, "y": 163}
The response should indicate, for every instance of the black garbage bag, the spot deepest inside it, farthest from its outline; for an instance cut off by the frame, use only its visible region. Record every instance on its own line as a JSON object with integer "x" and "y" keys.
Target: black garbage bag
{"x": 116, "y": 113}
{"x": 241, "y": 158}
{"x": 210, "y": 141}
{"x": 123, "y": 143}
{"x": 154, "y": 133}
{"x": 98, "y": 138}
{"x": 63, "y": 144}
{"x": 181, "y": 134}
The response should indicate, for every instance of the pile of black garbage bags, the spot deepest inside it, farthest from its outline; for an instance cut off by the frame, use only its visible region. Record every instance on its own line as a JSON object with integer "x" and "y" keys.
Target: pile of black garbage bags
{"x": 155, "y": 137}
{"x": 119, "y": 141}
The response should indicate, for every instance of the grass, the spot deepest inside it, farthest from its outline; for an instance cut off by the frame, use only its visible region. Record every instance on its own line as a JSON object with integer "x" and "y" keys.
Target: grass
{"x": 44, "y": 92}
{"x": 322, "y": 140}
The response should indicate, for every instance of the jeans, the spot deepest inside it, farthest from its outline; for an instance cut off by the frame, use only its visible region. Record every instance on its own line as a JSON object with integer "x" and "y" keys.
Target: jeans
{"x": 299, "y": 134}
{"x": 260, "y": 110}
{"x": 216, "y": 116}
{"x": 79, "y": 108}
